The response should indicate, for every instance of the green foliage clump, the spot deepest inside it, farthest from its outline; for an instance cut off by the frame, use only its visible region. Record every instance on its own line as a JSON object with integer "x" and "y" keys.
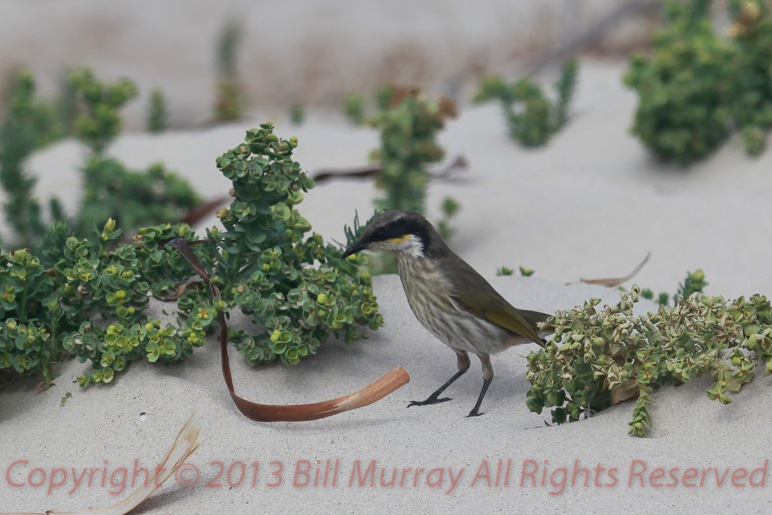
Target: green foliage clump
{"x": 45, "y": 121}
{"x": 408, "y": 127}
{"x": 297, "y": 115}
{"x": 697, "y": 86}
{"x": 99, "y": 122}
{"x": 265, "y": 263}
{"x": 110, "y": 190}
{"x": 409, "y": 123}
{"x": 135, "y": 198}
{"x": 532, "y": 119}
{"x": 354, "y": 108}
{"x": 682, "y": 115}
{"x": 229, "y": 96}
{"x": 450, "y": 208}
{"x": 83, "y": 299}
{"x": 157, "y": 112}
{"x": 610, "y": 355}
{"x": 386, "y": 94}
{"x": 750, "y": 70}
{"x": 18, "y": 138}
{"x": 89, "y": 298}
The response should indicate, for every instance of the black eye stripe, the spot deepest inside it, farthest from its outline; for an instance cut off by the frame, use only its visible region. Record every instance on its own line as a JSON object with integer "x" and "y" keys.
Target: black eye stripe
{"x": 396, "y": 225}
{"x": 398, "y": 229}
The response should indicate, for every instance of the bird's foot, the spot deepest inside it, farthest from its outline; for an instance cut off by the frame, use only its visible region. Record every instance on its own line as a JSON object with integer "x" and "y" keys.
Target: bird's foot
{"x": 474, "y": 413}
{"x": 430, "y": 400}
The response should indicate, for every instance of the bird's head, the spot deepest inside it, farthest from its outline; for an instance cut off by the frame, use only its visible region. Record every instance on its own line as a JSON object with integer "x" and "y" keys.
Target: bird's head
{"x": 400, "y": 232}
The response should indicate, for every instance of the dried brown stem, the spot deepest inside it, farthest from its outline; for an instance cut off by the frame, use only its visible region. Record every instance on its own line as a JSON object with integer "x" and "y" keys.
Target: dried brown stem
{"x": 363, "y": 172}
{"x": 291, "y": 413}
{"x": 616, "y": 281}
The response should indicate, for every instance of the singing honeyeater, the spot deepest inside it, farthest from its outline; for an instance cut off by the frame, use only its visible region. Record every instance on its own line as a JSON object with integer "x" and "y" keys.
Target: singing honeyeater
{"x": 448, "y": 296}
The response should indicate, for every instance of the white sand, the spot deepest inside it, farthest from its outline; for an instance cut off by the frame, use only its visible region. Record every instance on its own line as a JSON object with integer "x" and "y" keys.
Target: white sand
{"x": 591, "y": 205}
{"x": 101, "y": 424}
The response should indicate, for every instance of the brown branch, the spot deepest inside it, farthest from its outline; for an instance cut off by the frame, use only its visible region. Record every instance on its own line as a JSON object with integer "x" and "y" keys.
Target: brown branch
{"x": 201, "y": 211}
{"x": 364, "y": 172}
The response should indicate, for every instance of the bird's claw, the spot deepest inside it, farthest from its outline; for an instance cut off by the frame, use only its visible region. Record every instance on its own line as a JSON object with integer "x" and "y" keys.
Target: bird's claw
{"x": 474, "y": 413}
{"x": 428, "y": 402}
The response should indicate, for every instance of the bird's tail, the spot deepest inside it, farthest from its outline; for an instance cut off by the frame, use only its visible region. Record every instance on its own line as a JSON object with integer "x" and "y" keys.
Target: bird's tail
{"x": 534, "y": 318}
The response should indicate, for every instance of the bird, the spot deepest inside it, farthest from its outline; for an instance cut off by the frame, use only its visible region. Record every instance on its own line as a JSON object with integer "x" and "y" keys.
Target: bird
{"x": 448, "y": 297}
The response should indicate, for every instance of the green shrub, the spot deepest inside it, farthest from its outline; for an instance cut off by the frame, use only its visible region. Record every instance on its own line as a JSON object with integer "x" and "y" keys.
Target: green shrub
{"x": 696, "y": 87}
{"x": 449, "y": 208}
{"x": 99, "y": 122}
{"x": 750, "y": 93}
{"x": 18, "y": 138}
{"x": 89, "y": 298}
{"x": 51, "y": 305}
{"x": 532, "y": 119}
{"x": 681, "y": 114}
{"x": 134, "y": 198}
{"x": 354, "y": 108}
{"x": 110, "y": 190}
{"x": 408, "y": 127}
{"x": 694, "y": 283}
{"x": 409, "y": 122}
{"x": 263, "y": 264}
{"x": 610, "y": 355}
{"x": 157, "y": 112}
{"x": 26, "y": 124}
{"x": 297, "y": 115}
{"x": 229, "y": 96}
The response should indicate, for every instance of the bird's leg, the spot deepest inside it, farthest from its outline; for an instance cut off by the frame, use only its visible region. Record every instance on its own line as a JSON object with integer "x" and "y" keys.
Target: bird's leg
{"x": 487, "y": 378}
{"x": 463, "y": 366}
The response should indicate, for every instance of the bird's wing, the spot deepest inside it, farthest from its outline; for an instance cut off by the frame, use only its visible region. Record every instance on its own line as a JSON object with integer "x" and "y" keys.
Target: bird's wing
{"x": 472, "y": 292}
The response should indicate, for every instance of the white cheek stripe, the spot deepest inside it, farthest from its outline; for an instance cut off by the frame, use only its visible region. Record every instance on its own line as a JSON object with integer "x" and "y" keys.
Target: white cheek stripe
{"x": 412, "y": 247}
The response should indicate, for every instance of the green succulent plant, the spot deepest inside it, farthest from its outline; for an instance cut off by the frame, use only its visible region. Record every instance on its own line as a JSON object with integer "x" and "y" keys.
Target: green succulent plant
{"x": 290, "y": 282}
{"x": 696, "y": 87}
{"x": 89, "y": 298}
{"x": 600, "y": 357}
{"x": 110, "y": 190}
{"x": 18, "y": 138}
{"x": 409, "y": 124}
{"x": 354, "y": 108}
{"x": 229, "y": 103}
{"x": 531, "y": 117}
{"x": 157, "y": 111}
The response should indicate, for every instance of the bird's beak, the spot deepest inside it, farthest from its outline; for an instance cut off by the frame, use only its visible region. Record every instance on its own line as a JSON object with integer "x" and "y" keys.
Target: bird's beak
{"x": 353, "y": 249}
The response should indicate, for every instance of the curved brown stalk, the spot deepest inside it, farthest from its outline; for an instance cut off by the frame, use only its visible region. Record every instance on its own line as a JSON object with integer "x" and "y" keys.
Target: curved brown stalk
{"x": 290, "y": 413}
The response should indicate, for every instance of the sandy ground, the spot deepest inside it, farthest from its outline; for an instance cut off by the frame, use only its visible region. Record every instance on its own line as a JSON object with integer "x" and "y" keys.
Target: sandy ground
{"x": 101, "y": 425}
{"x": 590, "y": 205}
